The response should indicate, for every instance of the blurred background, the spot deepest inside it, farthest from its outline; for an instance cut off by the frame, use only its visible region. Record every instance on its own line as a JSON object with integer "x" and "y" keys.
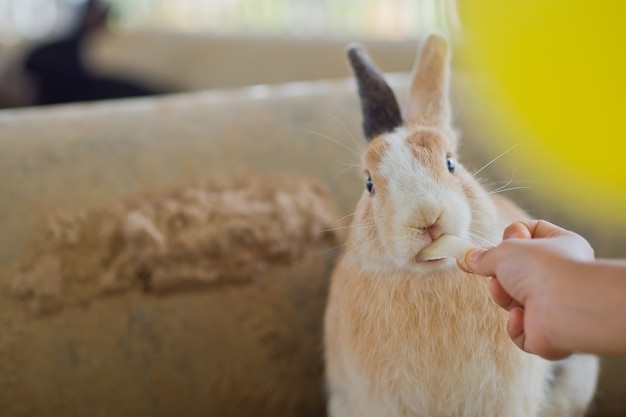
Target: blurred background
{"x": 385, "y": 19}
{"x": 58, "y": 51}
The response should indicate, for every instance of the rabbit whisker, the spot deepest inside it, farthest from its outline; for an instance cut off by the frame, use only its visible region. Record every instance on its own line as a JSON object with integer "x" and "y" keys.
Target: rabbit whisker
{"x": 350, "y": 215}
{"x": 345, "y": 128}
{"x": 352, "y": 226}
{"x": 498, "y": 191}
{"x": 349, "y": 167}
{"x": 334, "y": 248}
{"x": 481, "y": 240}
{"x": 343, "y": 145}
{"x": 340, "y": 246}
{"x": 509, "y": 182}
{"x": 504, "y": 188}
{"x": 477, "y": 233}
{"x": 496, "y": 158}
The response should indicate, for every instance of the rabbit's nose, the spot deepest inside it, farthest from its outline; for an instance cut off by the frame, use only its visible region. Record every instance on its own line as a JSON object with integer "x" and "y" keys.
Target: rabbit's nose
{"x": 434, "y": 230}
{"x": 428, "y": 225}
{"x": 431, "y": 224}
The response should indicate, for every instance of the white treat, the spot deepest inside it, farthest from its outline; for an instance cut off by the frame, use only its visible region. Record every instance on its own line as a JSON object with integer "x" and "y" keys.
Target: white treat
{"x": 446, "y": 246}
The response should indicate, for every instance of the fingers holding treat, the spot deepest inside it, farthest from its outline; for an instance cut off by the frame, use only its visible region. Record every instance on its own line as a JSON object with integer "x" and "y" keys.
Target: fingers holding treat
{"x": 447, "y": 246}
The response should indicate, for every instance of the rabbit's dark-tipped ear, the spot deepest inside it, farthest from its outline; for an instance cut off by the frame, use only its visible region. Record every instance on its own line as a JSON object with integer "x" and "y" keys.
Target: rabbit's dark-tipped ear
{"x": 381, "y": 113}
{"x": 428, "y": 103}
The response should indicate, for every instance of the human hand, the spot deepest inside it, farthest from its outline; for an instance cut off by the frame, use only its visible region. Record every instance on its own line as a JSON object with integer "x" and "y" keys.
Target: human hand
{"x": 528, "y": 273}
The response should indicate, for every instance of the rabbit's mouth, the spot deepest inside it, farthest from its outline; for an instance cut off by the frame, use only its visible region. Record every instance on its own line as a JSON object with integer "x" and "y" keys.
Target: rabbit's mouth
{"x": 433, "y": 262}
{"x": 428, "y": 266}
{"x": 430, "y": 260}
{"x": 446, "y": 246}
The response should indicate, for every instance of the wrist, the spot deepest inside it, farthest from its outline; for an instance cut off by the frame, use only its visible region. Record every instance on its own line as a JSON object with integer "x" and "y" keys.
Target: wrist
{"x": 584, "y": 309}
{"x": 554, "y": 299}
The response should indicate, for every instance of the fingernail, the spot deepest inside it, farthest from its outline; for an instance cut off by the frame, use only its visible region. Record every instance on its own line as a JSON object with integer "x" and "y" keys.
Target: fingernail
{"x": 472, "y": 257}
{"x": 464, "y": 262}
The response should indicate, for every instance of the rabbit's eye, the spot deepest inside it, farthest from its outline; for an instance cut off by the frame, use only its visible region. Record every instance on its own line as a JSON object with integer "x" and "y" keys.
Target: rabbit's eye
{"x": 369, "y": 184}
{"x": 450, "y": 164}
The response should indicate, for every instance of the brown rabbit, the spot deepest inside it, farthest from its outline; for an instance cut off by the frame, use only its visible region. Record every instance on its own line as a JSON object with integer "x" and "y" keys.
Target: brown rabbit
{"x": 405, "y": 337}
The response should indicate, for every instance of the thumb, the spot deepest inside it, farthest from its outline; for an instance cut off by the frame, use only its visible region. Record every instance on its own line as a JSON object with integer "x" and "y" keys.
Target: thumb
{"x": 478, "y": 262}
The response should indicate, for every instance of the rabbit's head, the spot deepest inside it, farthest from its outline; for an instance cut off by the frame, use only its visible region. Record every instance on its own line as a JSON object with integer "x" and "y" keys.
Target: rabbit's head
{"x": 415, "y": 189}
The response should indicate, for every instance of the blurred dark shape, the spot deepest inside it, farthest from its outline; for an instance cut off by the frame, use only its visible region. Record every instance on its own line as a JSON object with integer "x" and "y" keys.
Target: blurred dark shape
{"x": 59, "y": 71}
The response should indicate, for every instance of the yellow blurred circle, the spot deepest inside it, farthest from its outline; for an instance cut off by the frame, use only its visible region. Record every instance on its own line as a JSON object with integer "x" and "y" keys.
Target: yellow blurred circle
{"x": 559, "y": 68}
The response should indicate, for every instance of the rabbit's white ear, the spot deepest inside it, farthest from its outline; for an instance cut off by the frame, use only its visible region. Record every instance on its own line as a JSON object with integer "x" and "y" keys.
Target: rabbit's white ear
{"x": 381, "y": 112}
{"x": 428, "y": 103}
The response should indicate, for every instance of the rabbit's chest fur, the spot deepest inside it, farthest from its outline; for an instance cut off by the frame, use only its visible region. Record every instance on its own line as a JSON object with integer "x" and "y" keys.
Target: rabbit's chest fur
{"x": 407, "y": 345}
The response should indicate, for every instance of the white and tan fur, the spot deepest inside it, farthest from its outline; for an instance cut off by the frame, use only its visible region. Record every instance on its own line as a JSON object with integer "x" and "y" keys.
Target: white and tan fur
{"x": 409, "y": 338}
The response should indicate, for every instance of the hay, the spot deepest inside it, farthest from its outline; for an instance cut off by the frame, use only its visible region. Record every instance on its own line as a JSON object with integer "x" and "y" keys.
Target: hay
{"x": 226, "y": 231}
